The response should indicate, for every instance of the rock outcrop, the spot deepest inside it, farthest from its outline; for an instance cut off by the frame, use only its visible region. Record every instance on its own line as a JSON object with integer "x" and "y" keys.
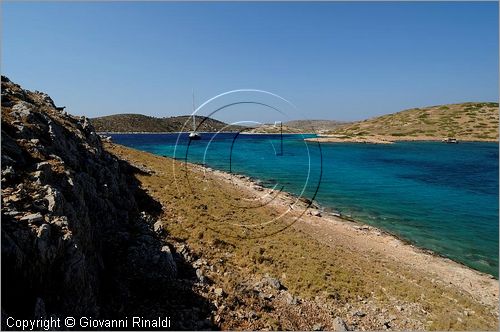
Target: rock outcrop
{"x": 77, "y": 231}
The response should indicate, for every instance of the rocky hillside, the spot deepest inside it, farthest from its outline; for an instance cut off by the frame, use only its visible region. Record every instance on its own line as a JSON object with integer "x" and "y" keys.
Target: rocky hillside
{"x": 120, "y": 123}
{"x": 77, "y": 230}
{"x": 466, "y": 121}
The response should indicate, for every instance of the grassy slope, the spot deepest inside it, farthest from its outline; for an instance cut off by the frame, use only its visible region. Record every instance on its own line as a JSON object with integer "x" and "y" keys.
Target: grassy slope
{"x": 467, "y": 121}
{"x": 201, "y": 212}
{"x": 143, "y": 123}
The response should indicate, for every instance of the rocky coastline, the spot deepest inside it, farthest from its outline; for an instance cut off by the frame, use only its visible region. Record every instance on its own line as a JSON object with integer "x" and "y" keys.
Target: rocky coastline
{"x": 91, "y": 228}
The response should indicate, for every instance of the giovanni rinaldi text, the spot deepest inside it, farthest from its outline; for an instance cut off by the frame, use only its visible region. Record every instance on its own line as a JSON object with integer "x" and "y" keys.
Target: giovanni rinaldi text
{"x": 86, "y": 322}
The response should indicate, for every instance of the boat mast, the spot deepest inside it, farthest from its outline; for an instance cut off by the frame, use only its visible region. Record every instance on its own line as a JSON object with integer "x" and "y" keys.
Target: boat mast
{"x": 194, "y": 120}
{"x": 281, "y": 136}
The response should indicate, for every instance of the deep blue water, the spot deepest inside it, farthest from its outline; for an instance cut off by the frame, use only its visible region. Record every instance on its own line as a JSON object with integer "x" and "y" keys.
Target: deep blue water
{"x": 442, "y": 197}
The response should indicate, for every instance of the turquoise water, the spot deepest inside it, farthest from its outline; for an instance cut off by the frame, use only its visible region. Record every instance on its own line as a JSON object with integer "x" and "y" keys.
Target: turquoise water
{"x": 442, "y": 197}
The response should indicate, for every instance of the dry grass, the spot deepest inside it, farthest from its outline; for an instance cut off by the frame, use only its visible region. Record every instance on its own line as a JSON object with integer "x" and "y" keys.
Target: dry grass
{"x": 201, "y": 211}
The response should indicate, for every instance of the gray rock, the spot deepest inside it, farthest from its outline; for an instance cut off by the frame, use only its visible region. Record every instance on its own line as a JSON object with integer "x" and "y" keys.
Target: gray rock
{"x": 169, "y": 259}
{"x": 200, "y": 276}
{"x": 44, "y": 231}
{"x": 22, "y": 110}
{"x": 158, "y": 227}
{"x": 32, "y": 218}
{"x": 339, "y": 324}
{"x": 316, "y": 213}
{"x": 51, "y": 202}
{"x": 290, "y": 299}
{"x": 359, "y": 313}
{"x": 272, "y": 282}
{"x": 19, "y": 127}
{"x": 8, "y": 171}
{"x": 44, "y": 166}
{"x": 12, "y": 213}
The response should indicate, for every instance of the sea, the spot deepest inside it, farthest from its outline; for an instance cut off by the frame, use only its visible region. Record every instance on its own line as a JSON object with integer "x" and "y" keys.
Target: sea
{"x": 437, "y": 196}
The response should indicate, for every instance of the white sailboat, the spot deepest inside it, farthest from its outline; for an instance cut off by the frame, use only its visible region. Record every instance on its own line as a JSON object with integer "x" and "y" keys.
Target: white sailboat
{"x": 194, "y": 135}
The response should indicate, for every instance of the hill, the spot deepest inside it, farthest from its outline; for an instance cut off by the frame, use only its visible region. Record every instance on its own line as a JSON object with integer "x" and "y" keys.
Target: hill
{"x": 142, "y": 123}
{"x": 465, "y": 121}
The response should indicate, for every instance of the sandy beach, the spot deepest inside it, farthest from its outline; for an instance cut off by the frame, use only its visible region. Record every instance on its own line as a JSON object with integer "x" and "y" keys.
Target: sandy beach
{"x": 340, "y": 269}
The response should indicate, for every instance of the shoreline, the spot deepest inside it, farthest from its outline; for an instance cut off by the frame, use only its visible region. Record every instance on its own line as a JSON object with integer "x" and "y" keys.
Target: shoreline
{"x": 388, "y": 140}
{"x": 370, "y": 233}
{"x": 200, "y": 132}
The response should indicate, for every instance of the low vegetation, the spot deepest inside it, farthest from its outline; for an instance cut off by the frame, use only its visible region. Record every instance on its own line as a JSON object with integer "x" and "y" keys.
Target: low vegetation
{"x": 466, "y": 121}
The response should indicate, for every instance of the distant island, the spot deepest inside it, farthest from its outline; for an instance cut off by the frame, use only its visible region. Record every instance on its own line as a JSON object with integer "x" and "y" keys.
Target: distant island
{"x": 138, "y": 123}
{"x": 472, "y": 121}
{"x": 464, "y": 122}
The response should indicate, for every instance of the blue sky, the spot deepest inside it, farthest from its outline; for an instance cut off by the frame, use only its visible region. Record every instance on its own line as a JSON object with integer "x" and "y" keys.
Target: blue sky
{"x": 344, "y": 61}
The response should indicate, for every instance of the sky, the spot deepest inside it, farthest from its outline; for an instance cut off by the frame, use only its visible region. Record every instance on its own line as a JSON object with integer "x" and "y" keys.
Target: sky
{"x": 332, "y": 60}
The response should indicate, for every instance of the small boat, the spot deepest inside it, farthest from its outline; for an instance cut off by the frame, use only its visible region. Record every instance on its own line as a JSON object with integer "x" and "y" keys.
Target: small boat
{"x": 194, "y": 136}
{"x": 450, "y": 140}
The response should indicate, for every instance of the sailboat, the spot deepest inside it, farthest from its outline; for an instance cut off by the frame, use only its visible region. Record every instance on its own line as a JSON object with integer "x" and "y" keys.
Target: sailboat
{"x": 194, "y": 135}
